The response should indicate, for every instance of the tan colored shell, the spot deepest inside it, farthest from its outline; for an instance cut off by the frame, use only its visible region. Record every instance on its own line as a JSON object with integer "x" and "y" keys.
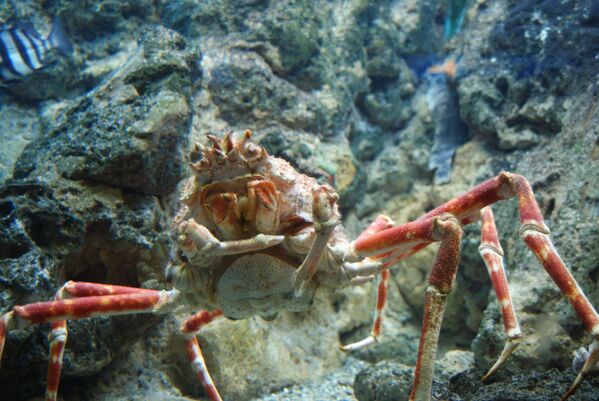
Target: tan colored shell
{"x": 226, "y": 171}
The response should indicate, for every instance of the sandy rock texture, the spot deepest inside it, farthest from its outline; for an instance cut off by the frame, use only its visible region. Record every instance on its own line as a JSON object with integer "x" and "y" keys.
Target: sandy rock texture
{"x": 96, "y": 144}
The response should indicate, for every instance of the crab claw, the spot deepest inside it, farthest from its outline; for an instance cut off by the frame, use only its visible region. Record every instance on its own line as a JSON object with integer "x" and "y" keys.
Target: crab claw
{"x": 325, "y": 210}
{"x": 326, "y": 218}
{"x": 194, "y": 238}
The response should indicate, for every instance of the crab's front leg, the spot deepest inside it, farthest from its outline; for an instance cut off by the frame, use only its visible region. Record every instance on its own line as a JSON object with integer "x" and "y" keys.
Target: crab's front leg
{"x": 195, "y": 239}
{"x": 326, "y": 218}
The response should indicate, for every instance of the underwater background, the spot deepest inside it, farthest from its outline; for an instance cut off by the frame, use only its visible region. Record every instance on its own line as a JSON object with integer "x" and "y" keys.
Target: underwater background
{"x": 400, "y": 105}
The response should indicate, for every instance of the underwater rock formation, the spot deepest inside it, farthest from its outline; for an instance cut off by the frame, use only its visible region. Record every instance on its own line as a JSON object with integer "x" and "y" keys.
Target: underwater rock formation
{"x": 82, "y": 203}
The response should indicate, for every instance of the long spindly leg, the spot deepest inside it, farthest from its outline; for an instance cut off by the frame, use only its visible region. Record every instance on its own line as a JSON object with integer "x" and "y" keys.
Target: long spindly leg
{"x": 405, "y": 240}
{"x": 380, "y": 223}
{"x": 492, "y": 254}
{"x": 94, "y": 300}
{"x": 536, "y": 236}
{"x": 381, "y": 301}
{"x": 190, "y": 328}
{"x": 58, "y": 333}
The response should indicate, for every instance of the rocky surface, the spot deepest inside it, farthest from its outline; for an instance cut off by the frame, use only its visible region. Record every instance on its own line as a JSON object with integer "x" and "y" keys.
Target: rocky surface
{"x": 96, "y": 144}
{"x": 83, "y": 203}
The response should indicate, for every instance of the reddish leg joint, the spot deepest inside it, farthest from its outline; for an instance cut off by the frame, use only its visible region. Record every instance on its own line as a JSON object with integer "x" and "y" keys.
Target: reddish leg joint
{"x": 381, "y": 301}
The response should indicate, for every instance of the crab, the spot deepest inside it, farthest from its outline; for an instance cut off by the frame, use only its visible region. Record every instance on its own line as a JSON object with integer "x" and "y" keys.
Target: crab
{"x": 256, "y": 237}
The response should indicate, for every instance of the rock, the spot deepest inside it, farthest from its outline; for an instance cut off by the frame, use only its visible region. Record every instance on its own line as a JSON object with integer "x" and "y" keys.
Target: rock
{"x": 18, "y": 126}
{"x": 365, "y": 140}
{"x": 509, "y": 139}
{"x": 386, "y": 381}
{"x": 392, "y": 381}
{"x": 272, "y": 74}
{"x": 520, "y": 385}
{"x": 388, "y": 108}
{"x": 335, "y": 386}
{"x": 246, "y": 93}
{"x": 82, "y": 205}
{"x": 114, "y": 135}
{"x": 105, "y": 18}
{"x": 397, "y": 30}
{"x": 452, "y": 363}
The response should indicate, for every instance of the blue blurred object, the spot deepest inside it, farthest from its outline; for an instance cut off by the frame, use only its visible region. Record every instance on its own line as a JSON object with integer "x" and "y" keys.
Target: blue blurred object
{"x": 450, "y": 130}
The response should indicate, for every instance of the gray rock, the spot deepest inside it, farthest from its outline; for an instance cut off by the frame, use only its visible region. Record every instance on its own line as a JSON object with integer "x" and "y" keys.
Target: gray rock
{"x": 510, "y": 139}
{"x": 520, "y": 385}
{"x": 79, "y": 207}
{"x": 19, "y": 125}
{"x": 126, "y": 132}
{"x": 392, "y": 381}
{"x": 386, "y": 381}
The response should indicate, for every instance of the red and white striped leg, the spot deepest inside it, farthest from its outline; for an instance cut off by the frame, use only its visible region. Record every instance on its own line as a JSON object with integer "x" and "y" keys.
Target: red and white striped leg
{"x": 405, "y": 240}
{"x": 492, "y": 254}
{"x": 381, "y": 222}
{"x": 190, "y": 328}
{"x": 58, "y": 338}
{"x": 398, "y": 242}
{"x": 381, "y": 301}
{"x": 58, "y": 333}
{"x": 536, "y": 235}
{"x": 95, "y": 300}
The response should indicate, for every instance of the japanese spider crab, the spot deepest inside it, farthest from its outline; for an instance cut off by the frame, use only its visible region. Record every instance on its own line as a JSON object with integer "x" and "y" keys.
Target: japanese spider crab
{"x": 257, "y": 237}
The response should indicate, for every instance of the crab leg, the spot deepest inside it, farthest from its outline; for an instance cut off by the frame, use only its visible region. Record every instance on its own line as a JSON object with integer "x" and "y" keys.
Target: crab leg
{"x": 58, "y": 333}
{"x": 447, "y": 230}
{"x": 398, "y": 242}
{"x": 327, "y": 218}
{"x": 536, "y": 236}
{"x": 190, "y": 328}
{"x": 380, "y": 223}
{"x": 126, "y": 300}
{"x": 381, "y": 300}
{"x": 533, "y": 231}
{"x": 196, "y": 239}
{"x": 492, "y": 254}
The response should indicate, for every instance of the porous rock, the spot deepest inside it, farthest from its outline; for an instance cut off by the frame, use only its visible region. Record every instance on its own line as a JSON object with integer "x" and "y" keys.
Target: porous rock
{"x": 82, "y": 204}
